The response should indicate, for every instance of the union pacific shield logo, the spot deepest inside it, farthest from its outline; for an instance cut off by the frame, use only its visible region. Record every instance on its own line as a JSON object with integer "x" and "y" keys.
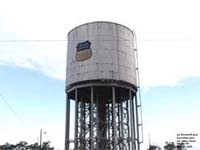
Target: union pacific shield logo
{"x": 84, "y": 51}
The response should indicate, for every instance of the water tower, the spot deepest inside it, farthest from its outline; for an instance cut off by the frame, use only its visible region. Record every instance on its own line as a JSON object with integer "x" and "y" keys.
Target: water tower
{"x": 103, "y": 106}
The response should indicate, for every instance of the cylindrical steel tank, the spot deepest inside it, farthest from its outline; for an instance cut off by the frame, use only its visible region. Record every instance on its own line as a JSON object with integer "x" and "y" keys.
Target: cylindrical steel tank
{"x": 101, "y": 85}
{"x": 109, "y": 55}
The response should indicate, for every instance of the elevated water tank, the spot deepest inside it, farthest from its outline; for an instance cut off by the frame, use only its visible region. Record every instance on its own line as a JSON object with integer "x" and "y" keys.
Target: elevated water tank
{"x": 101, "y": 88}
{"x": 101, "y": 51}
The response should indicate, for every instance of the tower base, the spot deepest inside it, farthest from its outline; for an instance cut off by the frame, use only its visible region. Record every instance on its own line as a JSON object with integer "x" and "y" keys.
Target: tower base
{"x": 106, "y": 116}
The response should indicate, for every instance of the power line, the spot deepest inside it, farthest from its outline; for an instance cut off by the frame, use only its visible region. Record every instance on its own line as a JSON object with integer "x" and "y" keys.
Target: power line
{"x": 10, "y": 107}
{"x": 15, "y": 41}
{"x": 78, "y": 40}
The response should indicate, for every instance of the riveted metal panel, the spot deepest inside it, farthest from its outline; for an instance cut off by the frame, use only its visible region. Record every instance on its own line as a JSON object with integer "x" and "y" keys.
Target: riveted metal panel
{"x": 112, "y": 53}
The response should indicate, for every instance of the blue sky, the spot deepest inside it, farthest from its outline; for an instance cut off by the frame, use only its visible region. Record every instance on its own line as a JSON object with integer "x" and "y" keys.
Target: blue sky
{"x": 168, "y": 111}
{"x": 32, "y": 72}
{"x": 38, "y": 102}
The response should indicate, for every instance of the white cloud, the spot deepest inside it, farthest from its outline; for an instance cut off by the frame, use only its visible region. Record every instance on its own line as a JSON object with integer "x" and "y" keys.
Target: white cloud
{"x": 48, "y": 58}
{"x": 167, "y": 35}
{"x": 168, "y": 62}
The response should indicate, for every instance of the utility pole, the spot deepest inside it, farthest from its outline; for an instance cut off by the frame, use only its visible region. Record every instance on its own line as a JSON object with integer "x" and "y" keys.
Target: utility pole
{"x": 41, "y": 138}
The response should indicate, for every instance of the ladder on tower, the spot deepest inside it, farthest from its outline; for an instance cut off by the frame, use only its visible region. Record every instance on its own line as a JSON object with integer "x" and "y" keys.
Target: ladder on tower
{"x": 138, "y": 100}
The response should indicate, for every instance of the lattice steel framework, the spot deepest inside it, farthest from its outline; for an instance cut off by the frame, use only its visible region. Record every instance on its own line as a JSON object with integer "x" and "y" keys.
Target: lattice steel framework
{"x": 106, "y": 117}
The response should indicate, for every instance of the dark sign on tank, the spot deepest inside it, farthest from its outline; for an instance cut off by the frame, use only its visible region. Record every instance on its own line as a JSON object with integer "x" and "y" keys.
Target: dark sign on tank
{"x": 83, "y": 45}
{"x": 84, "y": 51}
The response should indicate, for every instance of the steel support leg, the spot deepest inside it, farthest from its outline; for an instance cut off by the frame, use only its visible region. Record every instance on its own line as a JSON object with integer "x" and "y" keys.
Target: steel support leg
{"x": 67, "y": 140}
{"x": 113, "y": 119}
{"x": 132, "y": 117}
{"x": 92, "y": 119}
{"x": 76, "y": 120}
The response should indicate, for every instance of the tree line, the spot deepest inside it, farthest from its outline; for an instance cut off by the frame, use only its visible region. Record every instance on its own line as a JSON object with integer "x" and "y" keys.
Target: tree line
{"x": 25, "y": 146}
{"x": 168, "y": 146}
{"x": 46, "y": 146}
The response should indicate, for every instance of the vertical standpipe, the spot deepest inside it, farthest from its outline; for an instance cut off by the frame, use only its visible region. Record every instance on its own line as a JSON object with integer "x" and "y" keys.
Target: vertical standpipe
{"x": 101, "y": 88}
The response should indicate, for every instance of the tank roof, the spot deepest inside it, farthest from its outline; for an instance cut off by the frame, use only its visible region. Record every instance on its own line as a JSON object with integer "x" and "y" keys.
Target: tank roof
{"x": 109, "y": 22}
